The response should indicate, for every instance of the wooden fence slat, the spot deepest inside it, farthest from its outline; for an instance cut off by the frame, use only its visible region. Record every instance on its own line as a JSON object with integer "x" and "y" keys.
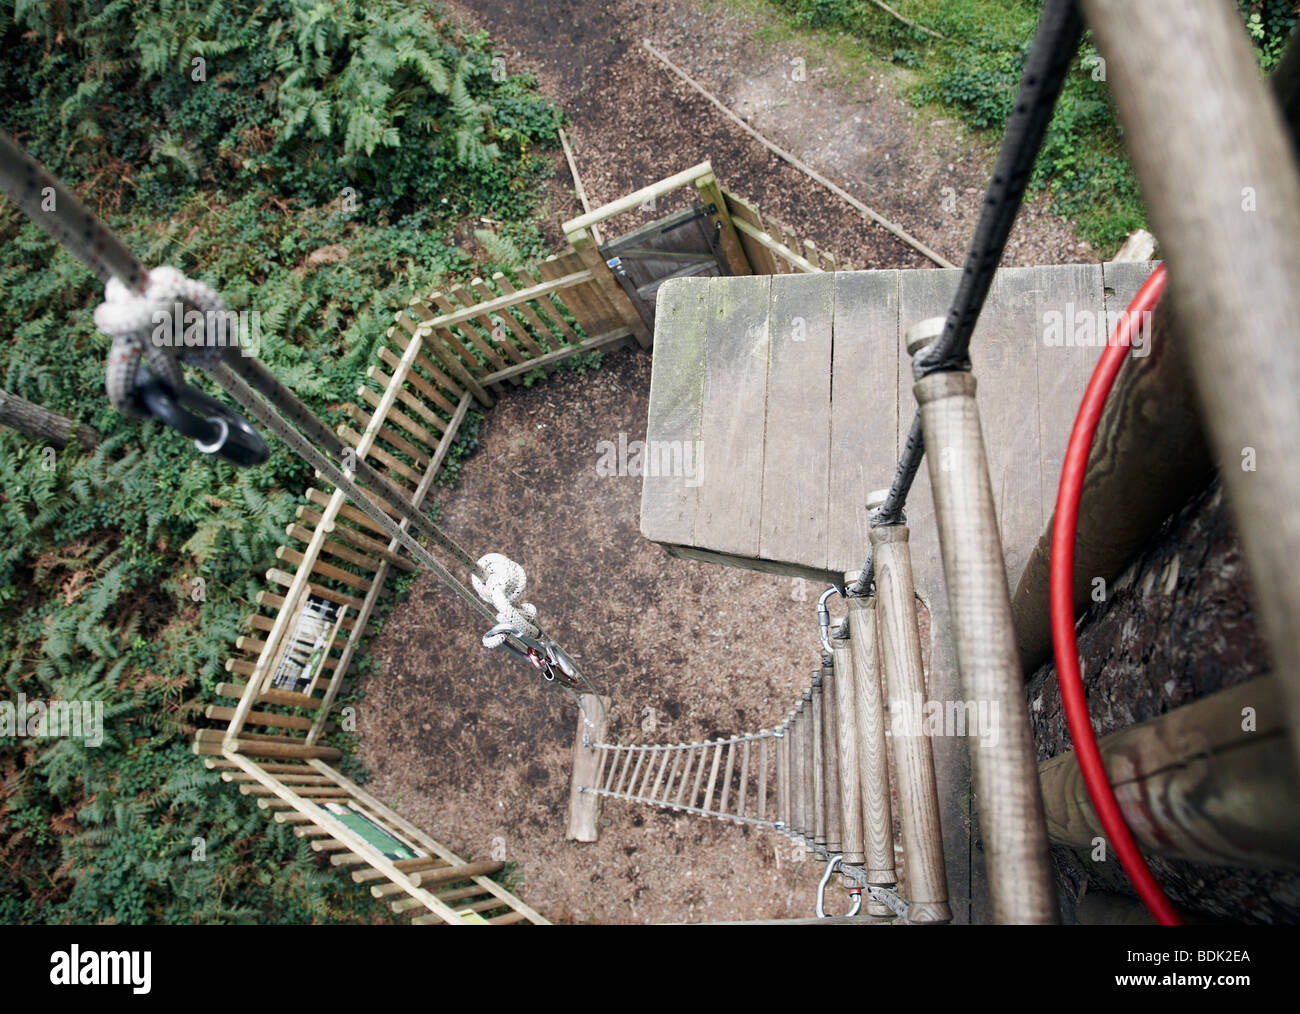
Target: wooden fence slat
{"x": 425, "y": 387}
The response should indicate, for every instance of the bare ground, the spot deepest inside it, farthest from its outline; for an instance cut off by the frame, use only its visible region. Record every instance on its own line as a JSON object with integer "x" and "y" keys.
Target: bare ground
{"x": 469, "y": 744}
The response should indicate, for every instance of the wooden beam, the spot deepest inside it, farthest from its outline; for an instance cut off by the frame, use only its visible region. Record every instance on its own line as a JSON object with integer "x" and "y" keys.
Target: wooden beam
{"x": 584, "y": 807}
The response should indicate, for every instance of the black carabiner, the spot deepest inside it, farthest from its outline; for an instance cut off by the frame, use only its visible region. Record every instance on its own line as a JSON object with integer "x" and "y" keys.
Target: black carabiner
{"x": 217, "y": 430}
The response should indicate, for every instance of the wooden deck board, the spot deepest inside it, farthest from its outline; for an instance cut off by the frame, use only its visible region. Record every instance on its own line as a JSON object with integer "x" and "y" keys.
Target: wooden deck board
{"x": 669, "y": 503}
{"x": 1063, "y": 369}
{"x": 796, "y": 440}
{"x": 864, "y": 408}
{"x": 735, "y": 399}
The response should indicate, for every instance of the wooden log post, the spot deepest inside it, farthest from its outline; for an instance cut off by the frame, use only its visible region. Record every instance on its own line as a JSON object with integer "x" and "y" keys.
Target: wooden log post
{"x": 1228, "y": 217}
{"x": 584, "y": 807}
{"x": 1149, "y": 454}
{"x": 925, "y": 879}
{"x": 831, "y": 760}
{"x": 817, "y": 759}
{"x": 807, "y": 761}
{"x": 868, "y": 707}
{"x": 1021, "y": 882}
{"x": 782, "y": 739}
{"x": 846, "y": 727}
{"x": 792, "y": 769}
{"x": 712, "y": 196}
{"x": 1193, "y": 784}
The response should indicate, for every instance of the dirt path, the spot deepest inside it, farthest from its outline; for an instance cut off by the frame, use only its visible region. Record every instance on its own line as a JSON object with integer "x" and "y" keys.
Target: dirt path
{"x": 472, "y": 746}
{"x": 469, "y": 744}
{"x": 634, "y": 122}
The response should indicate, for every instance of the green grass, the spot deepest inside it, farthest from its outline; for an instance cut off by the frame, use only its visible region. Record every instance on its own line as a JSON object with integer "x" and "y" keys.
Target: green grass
{"x": 973, "y": 74}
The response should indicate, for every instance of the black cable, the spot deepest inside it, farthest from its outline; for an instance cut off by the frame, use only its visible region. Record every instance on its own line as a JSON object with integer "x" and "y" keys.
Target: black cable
{"x": 1050, "y": 55}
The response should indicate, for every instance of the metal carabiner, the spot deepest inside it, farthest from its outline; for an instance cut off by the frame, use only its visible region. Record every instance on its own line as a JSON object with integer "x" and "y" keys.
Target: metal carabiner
{"x": 855, "y": 892}
{"x": 217, "y": 430}
{"x": 824, "y": 615}
{"x": 542, "y": 654}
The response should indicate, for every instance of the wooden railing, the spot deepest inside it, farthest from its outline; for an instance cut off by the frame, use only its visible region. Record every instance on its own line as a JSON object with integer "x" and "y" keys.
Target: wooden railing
{"x": 446, "y": 350}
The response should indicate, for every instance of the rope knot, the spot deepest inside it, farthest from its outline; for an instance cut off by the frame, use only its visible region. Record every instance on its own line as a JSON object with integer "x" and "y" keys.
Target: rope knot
{"x": 155, "y": 324}
{"x": 501, "y": 586}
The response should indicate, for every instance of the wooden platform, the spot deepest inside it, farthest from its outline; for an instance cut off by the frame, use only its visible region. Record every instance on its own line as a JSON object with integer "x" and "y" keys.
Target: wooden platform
{"x": 779, "y": 402}
{"x": 794, "y": 393}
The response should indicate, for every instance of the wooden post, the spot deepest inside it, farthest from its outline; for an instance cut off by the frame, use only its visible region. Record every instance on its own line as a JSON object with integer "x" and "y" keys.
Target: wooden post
{"x": 1192, "y": 784}
{"x": 817, "y": 759}
{"x": 808, "y": 760}
{"x": 831, "y": 760}
{"x": 585, "y": 247}
{"x": 1228, "y": 218}
{"x": 872, "y": 759}
{"x": 711, "y": 194}
{"x": 1021, "y": 882}
{"x": 584, "y": 807}
{"x": 796, "y": 771}
{"x": 782, "y": 780}
{"x": 847, "y": 739}
{"x": 918, "y": 793}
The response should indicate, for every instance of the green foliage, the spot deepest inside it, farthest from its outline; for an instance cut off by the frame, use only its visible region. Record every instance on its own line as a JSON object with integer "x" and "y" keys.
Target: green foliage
{"x": 975, "y": 73}
{"x": 317, "y": 170}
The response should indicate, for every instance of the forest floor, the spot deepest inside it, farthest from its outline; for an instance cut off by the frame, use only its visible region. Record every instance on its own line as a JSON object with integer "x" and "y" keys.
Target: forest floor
{"x": 469, "y": 744}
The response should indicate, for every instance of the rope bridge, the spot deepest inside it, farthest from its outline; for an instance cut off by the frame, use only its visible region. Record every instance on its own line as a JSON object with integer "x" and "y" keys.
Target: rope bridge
{"x": 826, "y": 774}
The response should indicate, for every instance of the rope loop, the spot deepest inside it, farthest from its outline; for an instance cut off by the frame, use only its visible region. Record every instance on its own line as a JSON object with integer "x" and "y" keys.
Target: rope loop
{"x": 501, "y": 585}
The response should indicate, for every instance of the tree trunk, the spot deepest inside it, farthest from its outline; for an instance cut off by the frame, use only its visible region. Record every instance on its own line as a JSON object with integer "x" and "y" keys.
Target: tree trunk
{"x": 43, "y": 425}
{"x": 1178, "y": 625}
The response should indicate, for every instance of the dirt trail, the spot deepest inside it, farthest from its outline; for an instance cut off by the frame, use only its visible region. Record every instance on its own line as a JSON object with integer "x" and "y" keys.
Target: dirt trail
{"x": 634, "y": 122}
{"x": 468, "y": 744}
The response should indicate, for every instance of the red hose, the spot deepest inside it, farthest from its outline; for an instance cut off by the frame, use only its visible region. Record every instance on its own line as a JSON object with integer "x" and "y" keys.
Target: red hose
{"x": 1062, "y": 606}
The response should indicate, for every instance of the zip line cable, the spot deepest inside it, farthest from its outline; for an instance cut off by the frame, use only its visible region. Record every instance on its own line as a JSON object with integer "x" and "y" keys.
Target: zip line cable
{"x": 145, "y": 379}
{"x": 1053, "y": 48}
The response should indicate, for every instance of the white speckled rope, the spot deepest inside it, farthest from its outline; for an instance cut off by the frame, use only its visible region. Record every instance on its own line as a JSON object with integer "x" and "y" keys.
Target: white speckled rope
{"x": 131, "y": 318}
{"x": 502, "y": 585}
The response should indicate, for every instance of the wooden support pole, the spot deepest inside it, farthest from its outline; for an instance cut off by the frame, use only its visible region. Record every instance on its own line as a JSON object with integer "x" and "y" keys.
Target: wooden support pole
{"x": 926, "y": 881}
{"x": 761, "y": 804}
{"x": 846, "y": 729}
{"x": 782, "y": 738}
{"x": 1193, "y": 784}
{"x": 818, "y": 760}
{"x": 711, "y": 195}
{"x": 584, "y": 807}
{"x": 873, "y": 763}
{"x": 830, "y": 760}
{"x": 1021, "y": 882}
{"x": 796, "y": 772}
{"x": 808, "y": 760}
{"x": 1228, "y": 217}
